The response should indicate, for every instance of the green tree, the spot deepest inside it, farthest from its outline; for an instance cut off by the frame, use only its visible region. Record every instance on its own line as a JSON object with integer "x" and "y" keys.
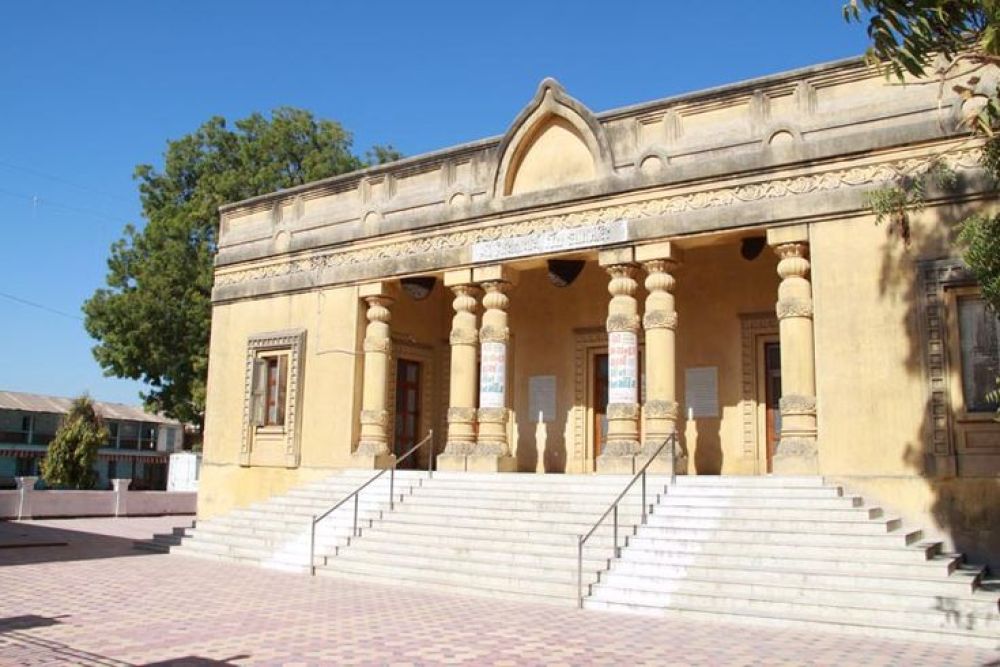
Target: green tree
{"x": 70, "y": 459}
{"x": 931, "y": 38}
{"x": 152, "y": 320}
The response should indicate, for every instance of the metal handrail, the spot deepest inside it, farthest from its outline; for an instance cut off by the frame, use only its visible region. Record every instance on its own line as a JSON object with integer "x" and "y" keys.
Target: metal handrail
{"x": 613, "y": 509}
{"x": 357, "y": 492}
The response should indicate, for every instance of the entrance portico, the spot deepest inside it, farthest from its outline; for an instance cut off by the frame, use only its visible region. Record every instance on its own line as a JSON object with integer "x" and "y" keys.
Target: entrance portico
{"x": 520, "y": 353}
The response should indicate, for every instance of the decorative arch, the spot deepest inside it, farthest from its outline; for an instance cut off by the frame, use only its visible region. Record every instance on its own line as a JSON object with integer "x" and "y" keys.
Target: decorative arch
{"x": 552, "y": 125}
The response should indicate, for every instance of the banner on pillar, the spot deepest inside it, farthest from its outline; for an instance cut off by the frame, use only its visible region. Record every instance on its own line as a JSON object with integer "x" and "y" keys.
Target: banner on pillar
{"x": 623, "y": 367}
{"x": 493, "y": 375}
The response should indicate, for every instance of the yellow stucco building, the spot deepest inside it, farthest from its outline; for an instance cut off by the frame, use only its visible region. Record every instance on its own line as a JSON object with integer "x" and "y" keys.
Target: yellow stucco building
{"x": 560, "y": 298}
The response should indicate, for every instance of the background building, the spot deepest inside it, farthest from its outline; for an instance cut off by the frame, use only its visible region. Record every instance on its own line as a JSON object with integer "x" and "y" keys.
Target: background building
{"x": 138, "y": 446}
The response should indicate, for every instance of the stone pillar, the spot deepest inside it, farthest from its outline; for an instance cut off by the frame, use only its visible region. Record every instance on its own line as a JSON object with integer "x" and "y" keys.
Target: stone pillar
{"x": 623, "y": 364}
{"x": 659, "y": 323}
{"x": 492, "y": 451}
{"x": 464, "y": 372}
{"x": 26, "y": 491}
{"x": 373, "y": 446}
{"x": 120, "y": 488}
{"x": 796, "y": 451}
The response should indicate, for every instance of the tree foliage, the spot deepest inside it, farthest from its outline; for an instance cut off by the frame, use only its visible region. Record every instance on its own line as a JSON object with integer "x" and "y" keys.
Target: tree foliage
{"x": 152, "y": 321}
{"x": 69, "y": 461}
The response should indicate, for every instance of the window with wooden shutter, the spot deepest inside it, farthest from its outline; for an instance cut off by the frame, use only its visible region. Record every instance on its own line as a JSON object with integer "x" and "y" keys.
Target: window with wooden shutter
{"x": 282, "y": 388}
{"x": 258, "y": 394}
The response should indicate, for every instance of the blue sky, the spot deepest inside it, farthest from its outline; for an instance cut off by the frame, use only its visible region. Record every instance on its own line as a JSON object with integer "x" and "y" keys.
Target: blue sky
{"x": 88, "y": 90}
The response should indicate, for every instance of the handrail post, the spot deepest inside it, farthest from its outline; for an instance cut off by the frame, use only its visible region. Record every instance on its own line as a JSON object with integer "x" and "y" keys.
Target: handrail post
{"x": 312, "y": 546}
{"x": 430, "y": 454}
{"x": 644, "y": 496}
{"x": 616, "y": 532}
{"x": 354, "y": 531}
{"x": 673, "y": 458}
{"x": 579, "y": 571}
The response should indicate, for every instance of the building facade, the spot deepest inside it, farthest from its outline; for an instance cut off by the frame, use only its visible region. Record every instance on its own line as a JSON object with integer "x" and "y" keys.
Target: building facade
{"x": 138, "y": 446}
{"x": 561, "y": 298}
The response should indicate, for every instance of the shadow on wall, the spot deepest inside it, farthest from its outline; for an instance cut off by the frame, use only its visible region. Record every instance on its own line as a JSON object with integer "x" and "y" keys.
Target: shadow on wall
{"x": 703, "y": 437}
{"x": 964, "y": 505}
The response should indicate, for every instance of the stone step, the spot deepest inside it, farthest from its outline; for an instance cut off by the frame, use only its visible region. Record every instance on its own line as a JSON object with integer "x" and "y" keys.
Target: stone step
{"x": 896, "y": 626}
{"x": 476, "y": 526}
{"x": 896, "y": 552}
{"x": 415, "y": 537}
{"x": 268, "y": 540}
{"x": 661, "y": 540}
{"x": 231, "y": 558}
{"x": 754, "y": 481}
{"x": 527, "y": 587}
{"x": 722, "y": 502}
{"x": 757, "y": 493}
{"x": 564, "y": 572}
{"x": 781, "y": 513}
{"x": 574, "y": 515}
{"x": 792, "y": 600}
{"x": 462, "y": 496}
{"x": 665, "y": 523}
{"x": 828, "y": 560}
{"x": 542, "y": 506}
{"x": 862, "y": 578}
{"x": 548, "y": 558}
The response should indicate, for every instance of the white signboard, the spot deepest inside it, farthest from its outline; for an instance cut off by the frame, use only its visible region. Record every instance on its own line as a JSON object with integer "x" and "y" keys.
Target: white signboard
{"x": 557, "y": 240}
{"x": 542, "y": 398}
{"x": 493, "y": 375}
{"x": 623, "y": 367}
{"x": 701, "y": 391}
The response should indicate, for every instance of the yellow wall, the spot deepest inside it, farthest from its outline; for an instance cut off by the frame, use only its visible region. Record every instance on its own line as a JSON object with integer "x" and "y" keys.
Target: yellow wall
{"x": 327, "y": 405}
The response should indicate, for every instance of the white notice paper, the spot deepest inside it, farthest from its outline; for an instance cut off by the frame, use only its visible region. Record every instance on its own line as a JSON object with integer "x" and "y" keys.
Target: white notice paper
{"x": 701, "y": 391}
{"x": 542, "y": 397}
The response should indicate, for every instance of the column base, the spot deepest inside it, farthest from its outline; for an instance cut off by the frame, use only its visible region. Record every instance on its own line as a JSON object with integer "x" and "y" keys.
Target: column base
{"x": 795, "y": 456}
{"x": 452, "y": 462}
{"x": 368, "y": 461}
{"x": 490, "y": 463}
{"x": 616, "y": 464}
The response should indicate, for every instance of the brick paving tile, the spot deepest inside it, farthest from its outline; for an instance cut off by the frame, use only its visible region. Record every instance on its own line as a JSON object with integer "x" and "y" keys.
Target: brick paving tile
{"x": 97, "y": 602}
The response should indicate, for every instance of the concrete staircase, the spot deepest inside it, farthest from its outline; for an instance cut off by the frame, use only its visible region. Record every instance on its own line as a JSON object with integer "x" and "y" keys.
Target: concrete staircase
{"x": 275, "y": 533}
{"x": 793, "y": 551}
{"x": 788, "y": 551}
{"x": 500, "y": 535}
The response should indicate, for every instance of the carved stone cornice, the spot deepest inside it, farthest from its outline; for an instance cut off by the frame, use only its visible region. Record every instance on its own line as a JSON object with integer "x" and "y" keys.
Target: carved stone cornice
{"x": 794, "y": 307}
{"x": 622, "y": 322}
{"x": 620, "y": 448}
{"x": 657, "y": 409}
{"x": 461, "y": 415}
{"x": 797, "y": 404}
{"x": 762, "y": 190}
{"x": 659, "y": 319}
{"x": 623, "y": 411}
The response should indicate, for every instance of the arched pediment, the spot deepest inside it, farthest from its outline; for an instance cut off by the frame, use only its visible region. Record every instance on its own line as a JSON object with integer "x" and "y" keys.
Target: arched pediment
{"x": 554, "y": 141}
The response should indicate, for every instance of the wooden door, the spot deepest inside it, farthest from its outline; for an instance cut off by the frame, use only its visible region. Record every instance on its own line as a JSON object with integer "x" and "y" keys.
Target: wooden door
{"x": 772, "y": 397}
{"x": 600, "y": 403}
{"x": 407, "y": 410}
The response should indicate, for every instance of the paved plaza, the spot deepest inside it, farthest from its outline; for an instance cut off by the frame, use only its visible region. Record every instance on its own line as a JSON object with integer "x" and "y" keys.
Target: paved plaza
{"x": 75, "y": 592}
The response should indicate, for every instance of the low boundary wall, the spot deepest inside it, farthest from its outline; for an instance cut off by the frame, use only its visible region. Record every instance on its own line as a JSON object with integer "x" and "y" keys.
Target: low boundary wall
{"x": 28, "y": 503}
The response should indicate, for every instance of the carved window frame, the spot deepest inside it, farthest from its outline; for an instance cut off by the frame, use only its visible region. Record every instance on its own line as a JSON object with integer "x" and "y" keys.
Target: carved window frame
{"x": 941, "y": 282}
{"x": 291, "y": 342}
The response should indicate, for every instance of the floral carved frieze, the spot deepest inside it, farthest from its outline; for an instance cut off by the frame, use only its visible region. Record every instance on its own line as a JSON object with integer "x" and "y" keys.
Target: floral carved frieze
{"x": 383, "y": 345}
{"x": 660, "y": 409}
{"x": 493, "y": 415}
{"x": 834, "y": 179}
{"x": 794, "y": 307}
{"x": 461, "y": 415}
{"x": 463, "y": 337}
{"x": 494, "y": 334}
{"x": 623, "y": 323}
{"x": 623, "y": 411}
{"x": 796, "y": 404}
{"x": 659, "y": 319}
